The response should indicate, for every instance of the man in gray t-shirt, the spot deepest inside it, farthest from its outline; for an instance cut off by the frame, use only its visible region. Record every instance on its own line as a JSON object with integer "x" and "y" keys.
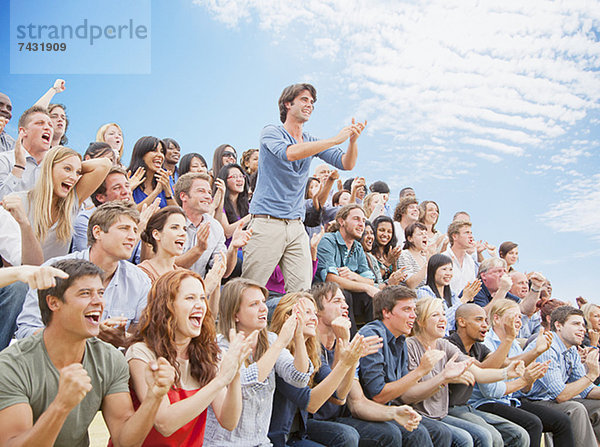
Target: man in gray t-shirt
{"x": 53, "y": 383}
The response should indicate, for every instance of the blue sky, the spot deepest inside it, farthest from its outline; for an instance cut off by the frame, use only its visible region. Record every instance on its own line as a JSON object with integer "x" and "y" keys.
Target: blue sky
{"x": 481, "y": 107}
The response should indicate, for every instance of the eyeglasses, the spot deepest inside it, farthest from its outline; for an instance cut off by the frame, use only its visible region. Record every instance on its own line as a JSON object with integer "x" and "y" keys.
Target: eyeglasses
{"x": 235, "y": 176}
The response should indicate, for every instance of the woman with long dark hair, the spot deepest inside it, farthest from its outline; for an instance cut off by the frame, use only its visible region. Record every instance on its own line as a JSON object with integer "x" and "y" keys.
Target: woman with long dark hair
{"x": 223, "y": 155}
{"x": 192, "y": 162}
{"x": 178, "y": 326}
{"x": 235, "y": 204}
{"x": 439, "y": 275}
{"x": 384, "y": 246}
{"x": 149, "y": 154}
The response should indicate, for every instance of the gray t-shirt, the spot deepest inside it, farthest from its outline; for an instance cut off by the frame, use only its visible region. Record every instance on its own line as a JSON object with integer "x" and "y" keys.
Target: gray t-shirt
{"x": 436, "y": 406}
{"x": 28, "y": 376}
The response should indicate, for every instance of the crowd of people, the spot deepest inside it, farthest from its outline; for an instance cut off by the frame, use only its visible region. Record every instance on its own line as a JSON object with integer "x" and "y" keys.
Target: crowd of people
{"x": 254, "y": 303}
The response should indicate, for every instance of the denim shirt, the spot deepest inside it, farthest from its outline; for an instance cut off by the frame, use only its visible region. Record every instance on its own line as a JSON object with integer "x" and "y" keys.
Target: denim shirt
{"x": 125, "y": 295}
{"x": 281, "y": 183}
{"x": 565, "y": 367}
{"x": 388, "y": 364}
{"x": 332, "y": 253}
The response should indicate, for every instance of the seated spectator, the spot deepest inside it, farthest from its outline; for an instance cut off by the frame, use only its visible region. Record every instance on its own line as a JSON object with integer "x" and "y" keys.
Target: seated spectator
{"x": 165, "y": 233}
{"x": 177, "y": 325}
{"x": 234, "y": 213}
{"x": 568, "y": 386}
{"x": 429, "y": 213}
{"x": 317, "y": 213}
{"x": 289, "y": 401}
{"x": 495, "y": 283}
{"x": 343, "y": 261}
{"x": 437, "y": 285}
{"x": 172, "y": 154}
{"x": 383, "y": 189}
{"x": 545, "y": 309}
{"x": 406, "y": 213}
{"x": 249, "y": 161}
{"x": 530, "y": 317}
{"x": 242, "y": 309}
{"x": 369, "y": 421}
{"x": 7, "y": 143}
{"x": 223, "y": 155}
{"x": 357, "y": 188}
{"x": 20, "y": 167}
{"x": 322, "y": 172}
{"x": 591, "y": 314}
{"x": 384, "y": 375}
{"x": 431, "y": 396}
{"x": 192, "y": 163}
{"x": 479, "y": 247}
{"x": 205, "y": 236}
{"x": 509, "y": 251}
{"x": 115, "y": 186}
{"x": 464, "y": 268}
{"x": 149, "y": 154}
{"x": 54, "y": 202}
{"x": 373, "y": 205}
{"x": 495, "y": 398}
{"x": 112, "y": 233}
{"x": 46, "y": 377}
{"x": 384, "y": 246}
{"x": 415, "y": 254}
{"x": 112, "y": 134}
{"x": 97, "y": 150}
{"x": 406, "y": 192}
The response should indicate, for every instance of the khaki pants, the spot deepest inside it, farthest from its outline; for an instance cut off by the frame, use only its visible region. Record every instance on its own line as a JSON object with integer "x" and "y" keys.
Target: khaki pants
{"x": 278, "y": 242}
{"x": 582, "y": 415}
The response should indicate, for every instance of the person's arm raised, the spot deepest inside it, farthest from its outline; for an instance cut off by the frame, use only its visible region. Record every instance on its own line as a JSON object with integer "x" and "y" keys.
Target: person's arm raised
{"x": 93, "y": 173}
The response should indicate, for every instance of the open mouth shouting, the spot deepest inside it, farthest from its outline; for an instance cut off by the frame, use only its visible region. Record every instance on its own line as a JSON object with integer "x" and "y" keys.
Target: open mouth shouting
{"x": 93, "y": 317}
{"x": 47, "y": 137}
{"x": 196, "y": 319}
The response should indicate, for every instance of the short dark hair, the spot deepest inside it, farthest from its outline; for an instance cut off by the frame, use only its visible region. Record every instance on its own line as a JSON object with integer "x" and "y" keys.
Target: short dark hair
{"x": 380, "y": 187}
{"x": 102, "y": 188}
{"x": 335, "y": 199}
{"x": 323, "y": 291}
{"x": 561, "y": 315}
{"x": 402, "y": 207}
{"x": 289, "y": 94}
{"x": 75, "y": 268}
{"x": 388, "y": 297}
{"x": 25, "y": 117}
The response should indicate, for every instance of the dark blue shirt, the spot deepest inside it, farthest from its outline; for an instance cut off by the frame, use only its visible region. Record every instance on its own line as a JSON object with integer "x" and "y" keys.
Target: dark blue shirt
{"x": 484, "y": 296}
{"x": 288, "y": 400}
{"x": 140, "y": 196}
{"x": 388, "y": 364}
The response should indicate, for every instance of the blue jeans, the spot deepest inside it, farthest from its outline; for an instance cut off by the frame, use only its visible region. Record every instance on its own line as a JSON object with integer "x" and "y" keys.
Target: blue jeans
{"x": 503, "y": 431}
{"x": 12, "y": 298}
{"x": 441, "y": 434}
{"x": 332, "y": 433}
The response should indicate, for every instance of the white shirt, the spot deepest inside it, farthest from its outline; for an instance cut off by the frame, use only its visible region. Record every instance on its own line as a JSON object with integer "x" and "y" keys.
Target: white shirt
{"x": 10, "y": 238}
{"x": 462, "y": 274}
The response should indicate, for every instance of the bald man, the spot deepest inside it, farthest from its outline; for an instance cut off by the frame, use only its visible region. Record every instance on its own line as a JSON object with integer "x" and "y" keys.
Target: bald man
{"x": 531, "y": 322}
{"x": 7, "y": 143}
{"x": 471, "y": 327}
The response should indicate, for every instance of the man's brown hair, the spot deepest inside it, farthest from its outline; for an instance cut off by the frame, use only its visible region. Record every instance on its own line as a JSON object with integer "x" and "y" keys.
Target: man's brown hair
{"x": 289, "y": 94}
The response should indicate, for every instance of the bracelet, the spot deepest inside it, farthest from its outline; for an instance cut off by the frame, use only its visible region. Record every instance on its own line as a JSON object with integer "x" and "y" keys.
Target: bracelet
{"x": 19, "y": 166}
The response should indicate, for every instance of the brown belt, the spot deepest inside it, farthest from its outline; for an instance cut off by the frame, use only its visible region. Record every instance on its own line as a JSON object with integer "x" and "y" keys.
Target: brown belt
{"x": 267, "y": 216}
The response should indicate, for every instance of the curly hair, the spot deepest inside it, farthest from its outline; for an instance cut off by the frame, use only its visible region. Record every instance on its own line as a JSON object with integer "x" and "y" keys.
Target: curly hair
{"x": 158, "y": 325}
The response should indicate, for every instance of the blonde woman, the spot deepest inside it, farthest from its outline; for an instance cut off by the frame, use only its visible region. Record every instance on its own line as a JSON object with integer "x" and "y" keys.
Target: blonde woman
{"x": 591, "y": 313}
{"x": 430, "y": 396}
{"x": 373, "y": 205}
{"x": 289, "y": 400}
{"x": 242, "y": 307}
{"x": 63, "y": 184}
{"x": 112, "y": 134}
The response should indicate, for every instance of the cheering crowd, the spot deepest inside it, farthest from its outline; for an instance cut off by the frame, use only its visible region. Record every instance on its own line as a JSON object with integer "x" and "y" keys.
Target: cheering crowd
{"x": 255, "y": 303}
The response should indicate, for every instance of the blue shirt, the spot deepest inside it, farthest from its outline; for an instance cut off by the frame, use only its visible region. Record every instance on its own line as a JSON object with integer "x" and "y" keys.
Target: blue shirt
{"x": 565, "y": 367}
{"x": 332, "y": 253}
{"x": 139, "y": 196}
{"x": 485, "y": 393}
{"x": 80, "y": 227}
{"x": 287, "y": 401}
{"x": 387, "y": 365}
{"x": 281, "y": 183}
{"x": 484, "y": 296}
{"x": 125, "y": 295}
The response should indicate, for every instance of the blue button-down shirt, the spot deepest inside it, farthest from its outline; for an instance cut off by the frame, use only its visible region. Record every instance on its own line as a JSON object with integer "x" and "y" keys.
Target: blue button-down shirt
{"x": 484, "y": 296}
{"x": 125, "y": 295}
{"x": 484, "y": 393}
{"x": 333, "y": 253}
{"x": 565, "y": 367}
{"x": 281, "y": 183}
{"x": 8, "y": 182}
{"x": 387, "y": 365}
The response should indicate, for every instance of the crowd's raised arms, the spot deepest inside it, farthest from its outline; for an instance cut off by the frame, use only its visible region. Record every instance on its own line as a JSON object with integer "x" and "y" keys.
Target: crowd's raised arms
{"x": 253, "y": 302}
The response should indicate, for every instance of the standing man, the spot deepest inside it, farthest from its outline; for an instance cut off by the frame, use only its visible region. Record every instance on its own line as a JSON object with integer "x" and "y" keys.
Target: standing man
{"x": 277, "y": 206}
{"x": 464, "y": 269}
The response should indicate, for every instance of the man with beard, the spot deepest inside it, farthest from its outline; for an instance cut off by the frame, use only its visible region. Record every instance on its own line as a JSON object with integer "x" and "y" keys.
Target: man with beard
{"x": 342, "y": 260}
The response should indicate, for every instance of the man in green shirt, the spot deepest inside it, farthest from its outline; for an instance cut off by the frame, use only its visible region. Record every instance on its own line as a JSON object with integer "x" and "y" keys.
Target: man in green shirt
{"x": 53, "y": 383}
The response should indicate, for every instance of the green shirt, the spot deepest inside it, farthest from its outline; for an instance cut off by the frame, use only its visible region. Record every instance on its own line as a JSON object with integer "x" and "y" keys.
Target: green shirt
{"x": 28, "y": 376}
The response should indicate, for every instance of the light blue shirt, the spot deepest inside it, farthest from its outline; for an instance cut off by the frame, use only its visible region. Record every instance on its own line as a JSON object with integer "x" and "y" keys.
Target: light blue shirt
{"x": 485, "y": 393}
{"x": 8, "y": 182}
{"x": 530, "y": 325}
{"x": 565, "y": 367}
{"x": 333, "y": 253}
{"x": 125, "y": 295}
{"x": 80, "y": 227}
{"x": 281, "y": 183}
